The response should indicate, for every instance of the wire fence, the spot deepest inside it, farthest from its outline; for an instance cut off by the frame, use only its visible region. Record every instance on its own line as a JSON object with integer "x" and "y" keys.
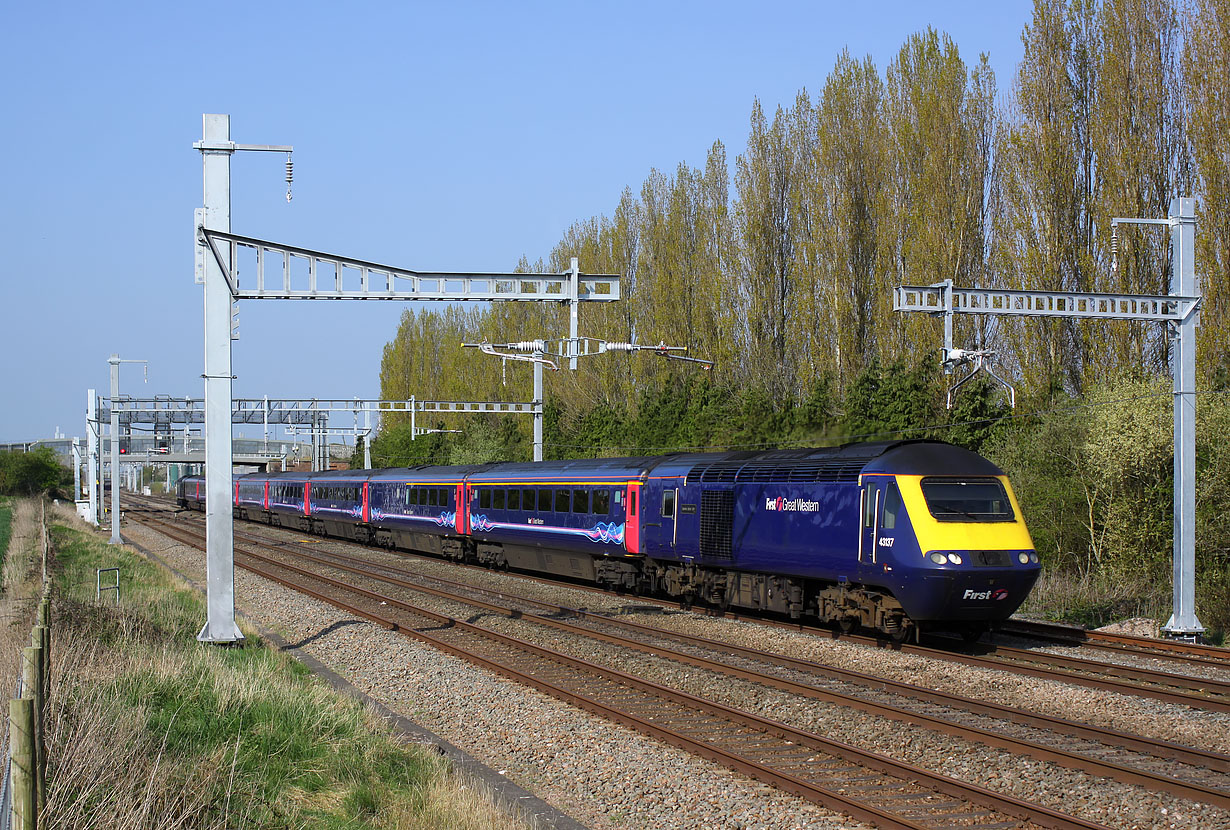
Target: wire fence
{"x": 23, "y": 794}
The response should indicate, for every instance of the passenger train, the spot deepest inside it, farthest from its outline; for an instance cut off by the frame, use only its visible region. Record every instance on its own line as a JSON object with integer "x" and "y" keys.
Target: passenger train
{"x": 896, "y": 536}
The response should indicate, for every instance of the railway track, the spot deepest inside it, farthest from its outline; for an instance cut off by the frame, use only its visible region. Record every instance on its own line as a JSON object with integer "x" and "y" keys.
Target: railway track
{"x": 1120, "y": 644}
{"x": 841, "y": 777}
{"x": 1175, "y": 687}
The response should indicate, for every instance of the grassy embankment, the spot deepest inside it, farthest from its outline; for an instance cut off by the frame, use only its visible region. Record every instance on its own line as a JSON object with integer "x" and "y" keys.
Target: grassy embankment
{"x": 6, "y": 526}
{"x": 1095, "y": 601}
{"x": 148, "y": 728}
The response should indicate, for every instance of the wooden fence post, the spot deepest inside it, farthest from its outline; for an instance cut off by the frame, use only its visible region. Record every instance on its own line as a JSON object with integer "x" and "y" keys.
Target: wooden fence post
{"x": 32, "y": 681}
{"x": 21, "y": 754}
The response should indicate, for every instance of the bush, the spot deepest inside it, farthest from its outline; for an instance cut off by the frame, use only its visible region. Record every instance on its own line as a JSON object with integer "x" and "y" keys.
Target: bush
{"x": 28, "y": 473}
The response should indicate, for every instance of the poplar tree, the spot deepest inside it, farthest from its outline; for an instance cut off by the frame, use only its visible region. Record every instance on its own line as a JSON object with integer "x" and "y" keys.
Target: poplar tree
{"x": 1206, "y": 68}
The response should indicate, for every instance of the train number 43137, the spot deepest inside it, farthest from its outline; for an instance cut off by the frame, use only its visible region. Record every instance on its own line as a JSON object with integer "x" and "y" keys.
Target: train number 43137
{"x": 887, "y": 541}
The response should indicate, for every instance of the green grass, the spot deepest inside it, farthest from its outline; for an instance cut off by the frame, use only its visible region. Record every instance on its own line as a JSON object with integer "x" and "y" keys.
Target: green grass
{"x": 1095, "y": 600}
{"x": 6, "y": 528}
{"x": 219, "y": 737}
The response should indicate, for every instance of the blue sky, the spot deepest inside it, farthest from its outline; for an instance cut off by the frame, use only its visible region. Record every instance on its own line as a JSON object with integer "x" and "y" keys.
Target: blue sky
{"x": 427, "y": 135}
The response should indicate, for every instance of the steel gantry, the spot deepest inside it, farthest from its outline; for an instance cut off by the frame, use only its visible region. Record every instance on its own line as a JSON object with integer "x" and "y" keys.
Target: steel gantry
{"x": 1179, "y": 311}
{"x": 165, "y": 412}
{"x": 321, "y": 276}
{"x": 543, "y": 353}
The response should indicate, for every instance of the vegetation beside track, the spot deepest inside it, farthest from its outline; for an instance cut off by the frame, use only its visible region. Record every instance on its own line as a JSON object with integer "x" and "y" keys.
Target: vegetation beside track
{"x": 6, "y": 526}
{"x": 149, "y": 728}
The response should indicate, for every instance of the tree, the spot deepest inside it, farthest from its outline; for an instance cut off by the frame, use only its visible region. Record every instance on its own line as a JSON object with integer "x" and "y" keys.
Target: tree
{"x": 28, "y": 473}
{"x": 765, "y": 177}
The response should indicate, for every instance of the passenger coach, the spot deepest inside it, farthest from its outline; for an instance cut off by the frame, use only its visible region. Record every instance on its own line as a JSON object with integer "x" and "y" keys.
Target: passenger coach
{"x": 891, "y": 535}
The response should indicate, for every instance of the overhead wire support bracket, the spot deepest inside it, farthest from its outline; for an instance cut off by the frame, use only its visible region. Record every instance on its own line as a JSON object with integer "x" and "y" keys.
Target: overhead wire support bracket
{"x": 333, "y": 276}
{"x": 1179, "y": 311}
{"x": 569, "y": 348}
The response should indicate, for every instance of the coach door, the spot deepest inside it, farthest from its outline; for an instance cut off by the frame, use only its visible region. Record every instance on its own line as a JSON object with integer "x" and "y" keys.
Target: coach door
{"x": 632, "y": 518}
{"x": 460, "y": 523}
{"x": 870, "y": 504}
{"x": 658, "y": 509}
{"x": 881, "y": 503}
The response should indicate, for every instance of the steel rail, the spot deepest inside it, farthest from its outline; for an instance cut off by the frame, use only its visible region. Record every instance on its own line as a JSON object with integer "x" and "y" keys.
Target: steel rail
{"x": 1109, "y": 738}
{"x": 1085, "y": 763}
{"x": 1196, "y": 653}
{"x": 1083, "y": 673}
{"x": 1005, "y": 805}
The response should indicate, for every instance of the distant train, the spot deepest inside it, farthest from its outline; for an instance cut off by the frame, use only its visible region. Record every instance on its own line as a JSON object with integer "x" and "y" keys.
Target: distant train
{"x": 895, "y": 536}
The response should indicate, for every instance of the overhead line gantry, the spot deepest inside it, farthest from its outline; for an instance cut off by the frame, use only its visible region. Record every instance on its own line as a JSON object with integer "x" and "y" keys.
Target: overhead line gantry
{"x": 1179, "y": 311}
{"x": 329, "y": 277}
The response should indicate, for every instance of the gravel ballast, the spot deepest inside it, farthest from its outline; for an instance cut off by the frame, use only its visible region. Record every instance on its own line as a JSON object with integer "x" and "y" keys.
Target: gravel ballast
{"x": 608, "y": 776}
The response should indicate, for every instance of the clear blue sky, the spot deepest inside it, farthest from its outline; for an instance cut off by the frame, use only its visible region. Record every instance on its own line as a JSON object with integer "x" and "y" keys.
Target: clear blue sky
{"x": 427, "y": 135}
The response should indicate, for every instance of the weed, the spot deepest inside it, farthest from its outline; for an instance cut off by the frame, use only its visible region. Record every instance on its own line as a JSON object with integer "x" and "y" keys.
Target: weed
{"x": 148, "y": 728}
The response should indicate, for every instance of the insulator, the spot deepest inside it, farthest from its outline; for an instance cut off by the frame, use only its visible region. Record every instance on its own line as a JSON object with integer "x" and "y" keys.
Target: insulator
{"x": 620, "y": 347}
{"x": 290, "y": 175}
{"x": 528, "y": 346}
{"x": 1114, "y": 249}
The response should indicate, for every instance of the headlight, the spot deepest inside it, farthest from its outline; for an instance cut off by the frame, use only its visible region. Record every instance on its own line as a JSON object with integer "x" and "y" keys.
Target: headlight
{"x": 1023, "y": 558}
{"x": 939, "y": 558}
{"x": 1033, "y": 557}
{"x": 954, "y": 558}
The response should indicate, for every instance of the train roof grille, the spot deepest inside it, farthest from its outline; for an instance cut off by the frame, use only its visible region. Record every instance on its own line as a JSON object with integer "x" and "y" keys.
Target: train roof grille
{"x": 845, "y": 466}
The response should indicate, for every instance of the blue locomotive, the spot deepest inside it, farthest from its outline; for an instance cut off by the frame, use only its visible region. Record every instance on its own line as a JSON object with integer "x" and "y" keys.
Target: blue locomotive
{"x": 896, "y": 536}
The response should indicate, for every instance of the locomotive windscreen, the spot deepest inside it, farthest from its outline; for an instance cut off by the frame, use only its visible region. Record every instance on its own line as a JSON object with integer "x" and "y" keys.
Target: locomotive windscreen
{"x": 967, "y": 500}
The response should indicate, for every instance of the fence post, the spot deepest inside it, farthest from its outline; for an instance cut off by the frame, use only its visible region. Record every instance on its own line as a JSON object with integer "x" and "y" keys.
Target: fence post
{"x": 40, "y": 637}
{"x": 21, "y": 756}
{"x": 33, "y": 680}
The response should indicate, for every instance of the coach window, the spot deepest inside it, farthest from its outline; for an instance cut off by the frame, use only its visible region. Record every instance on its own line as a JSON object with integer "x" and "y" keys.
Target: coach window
{"x": 529, "y": 499}
{"x": 544, "y": 501}
{"x": 432, "y": 501}
{"x": 668, "y": 504}
{"x": 892, "y": 504}
{"x": 561, "y": 501}
{"x": 442, "y": 496}
{"x": 498, "y": 500}
{"x": 602, "y": 502}
{"x": 631, "y": 502}
{"x": 484, "y": 499}
{"x": 580, "y": 501}
{"x": 514, "y": 499}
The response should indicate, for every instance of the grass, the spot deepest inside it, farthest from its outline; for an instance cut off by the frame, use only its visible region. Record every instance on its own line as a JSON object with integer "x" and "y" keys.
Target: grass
{"x": 1095, "y": 600}
{"x": 148, "y": 728}
{"x": 6, "y": 528}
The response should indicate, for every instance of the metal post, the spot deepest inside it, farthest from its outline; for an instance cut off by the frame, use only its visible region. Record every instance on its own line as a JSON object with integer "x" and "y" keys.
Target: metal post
{"x": 91, "y": 432}
{"x": 414, "y": 430}
{"x": 76, "y": 470}
{"x": 367, "y": 436}
{"x": 265, "y": 415}
{"x": 315, "y": 442}
{"x": 114, "y": 360}
{"x": 574, "y": 280}
{"x": 220, "y": 626}
{"x": 1183, "y": 283}
{"x": 538, "y": 408}
{"x": 947, "y": 293}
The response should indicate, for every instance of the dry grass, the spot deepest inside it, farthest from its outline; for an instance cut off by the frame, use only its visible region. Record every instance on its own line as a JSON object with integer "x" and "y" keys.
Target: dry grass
{"x": 1095, "y": 600}
{"x": 147, "y": 728}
